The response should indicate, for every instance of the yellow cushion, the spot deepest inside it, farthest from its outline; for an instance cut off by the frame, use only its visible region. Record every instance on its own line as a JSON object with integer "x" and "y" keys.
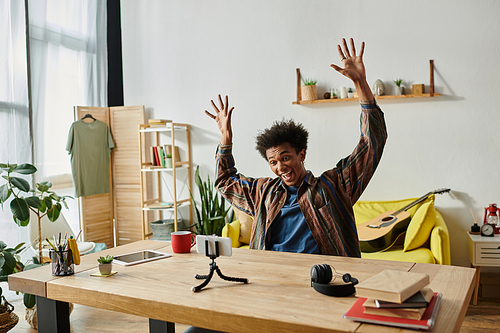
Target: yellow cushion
{"x": 440, "y": 241}
{"x": 420, "y": 226}
{"x": 421, "y": 255}
{"x": 232, "y": 230}
{"x": 246, "y": 222}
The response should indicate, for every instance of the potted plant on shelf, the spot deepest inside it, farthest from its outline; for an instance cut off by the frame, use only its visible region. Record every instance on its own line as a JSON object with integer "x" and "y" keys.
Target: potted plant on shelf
{"x": 350, "y": 93}
{"x": 400, "y": 89}
{"x": 308, "y": 90}
{"x": 211, "y": 218}
{"x": 105, "y": 264}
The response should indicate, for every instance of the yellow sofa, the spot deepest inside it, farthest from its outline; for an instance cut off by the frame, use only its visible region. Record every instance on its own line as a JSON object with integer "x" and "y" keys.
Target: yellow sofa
{"x": 425, "y": 241}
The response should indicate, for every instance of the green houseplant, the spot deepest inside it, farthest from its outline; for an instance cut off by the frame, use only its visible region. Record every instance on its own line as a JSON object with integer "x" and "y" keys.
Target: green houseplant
{"x": 10, "y": 263}
{"x": 40, "y": 200}
{"x": 211, "y": 218}
{"x": 399, "y": 87}
{"x": 105, "y": 264}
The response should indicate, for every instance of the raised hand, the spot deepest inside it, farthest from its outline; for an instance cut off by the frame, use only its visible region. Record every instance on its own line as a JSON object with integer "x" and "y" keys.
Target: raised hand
{"x": 354, "y": 68}
{"x": 223, "y": 119}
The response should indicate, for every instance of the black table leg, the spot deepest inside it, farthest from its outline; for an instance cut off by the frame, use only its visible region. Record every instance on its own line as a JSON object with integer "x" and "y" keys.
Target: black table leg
{"x": 52, "y": 316}
{"x": 159, "y": 326}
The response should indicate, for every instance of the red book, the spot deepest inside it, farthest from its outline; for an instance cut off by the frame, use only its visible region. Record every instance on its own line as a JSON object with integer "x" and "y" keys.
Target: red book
{"x": 157, "y": 158}
{"x": 356, "y": 313}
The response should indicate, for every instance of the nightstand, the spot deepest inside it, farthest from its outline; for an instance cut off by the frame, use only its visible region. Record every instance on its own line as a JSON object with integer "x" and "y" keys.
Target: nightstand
{"x": 483, "y": 251}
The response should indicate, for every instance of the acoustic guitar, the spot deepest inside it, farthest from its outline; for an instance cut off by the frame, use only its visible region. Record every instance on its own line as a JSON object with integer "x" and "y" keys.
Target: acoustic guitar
{"x": 381, "y": 232}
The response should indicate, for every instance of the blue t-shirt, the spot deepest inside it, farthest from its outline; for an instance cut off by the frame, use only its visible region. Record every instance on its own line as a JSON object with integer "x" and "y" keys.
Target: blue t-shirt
{"x": 289, "y": 231}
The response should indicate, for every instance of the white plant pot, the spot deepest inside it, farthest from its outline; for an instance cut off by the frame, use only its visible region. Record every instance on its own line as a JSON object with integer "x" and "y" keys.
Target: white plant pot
{"x": 400, "y": 90}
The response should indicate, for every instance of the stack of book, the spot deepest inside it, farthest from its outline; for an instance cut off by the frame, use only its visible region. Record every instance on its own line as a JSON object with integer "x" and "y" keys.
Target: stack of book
{"x": 396, "y": 298}
{"x": 158, "y": 122}
{"x": 161, "y": 154}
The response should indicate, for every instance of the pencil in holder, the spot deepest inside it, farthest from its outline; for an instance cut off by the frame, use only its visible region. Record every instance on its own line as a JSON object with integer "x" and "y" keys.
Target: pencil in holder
{"x": 62, "y": 262}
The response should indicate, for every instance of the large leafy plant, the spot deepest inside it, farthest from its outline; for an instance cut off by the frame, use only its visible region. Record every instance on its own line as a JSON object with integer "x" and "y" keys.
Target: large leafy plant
{"x": 40, "y": 200}
{"x": 211, "y": 218}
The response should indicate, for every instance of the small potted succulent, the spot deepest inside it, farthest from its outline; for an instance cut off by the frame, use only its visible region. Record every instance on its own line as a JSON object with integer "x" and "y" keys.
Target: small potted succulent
{"x": 350, "y": 93}
{"x": 105, "y": 264}
{"x": 308, "y": 90}
{"x": 400, "y": 90}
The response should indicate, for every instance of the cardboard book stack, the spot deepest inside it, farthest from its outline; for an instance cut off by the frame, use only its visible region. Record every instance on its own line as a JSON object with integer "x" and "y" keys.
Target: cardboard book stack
{"x": 396, "y": 298}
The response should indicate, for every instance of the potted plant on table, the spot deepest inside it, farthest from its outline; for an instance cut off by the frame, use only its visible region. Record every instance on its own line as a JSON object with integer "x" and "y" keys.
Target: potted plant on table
{"x": 105, "y": 264}
{"x": 400, "y": 89}
{"x": 308, "y": 90}
{"x": 211, "y": 218}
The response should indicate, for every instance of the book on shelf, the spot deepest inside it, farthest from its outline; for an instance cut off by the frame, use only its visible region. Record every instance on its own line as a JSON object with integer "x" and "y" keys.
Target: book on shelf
{"x": 157, "y": 125}
{"x": 168, "y": 150}
{"x": 158, "y": 121}
{"x": 152, "y": 153}
{"x": 161, "y": 156}
{"x": 426, "y": 322}
{"x": 392, "y": 286}
{"x": 410, "y": 313}
{"x": 160, "y": 153}
{"x": 419, "y": 300}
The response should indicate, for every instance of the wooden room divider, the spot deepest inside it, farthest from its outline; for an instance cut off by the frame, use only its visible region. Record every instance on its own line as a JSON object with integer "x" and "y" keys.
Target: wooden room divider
{"x": 115, "y": 218}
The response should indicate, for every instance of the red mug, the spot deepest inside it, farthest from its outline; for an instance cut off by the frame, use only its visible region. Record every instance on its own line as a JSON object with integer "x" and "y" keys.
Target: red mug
{"x": 182, "y": 241}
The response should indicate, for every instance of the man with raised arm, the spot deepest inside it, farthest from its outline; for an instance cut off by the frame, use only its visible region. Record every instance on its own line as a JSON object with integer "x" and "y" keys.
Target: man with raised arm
{"x": 296, "y": 211}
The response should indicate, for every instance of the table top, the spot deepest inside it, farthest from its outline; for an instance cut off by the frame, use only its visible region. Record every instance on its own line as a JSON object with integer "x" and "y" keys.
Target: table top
{"x": 484, "y": 239}
{"x": 278, "y": 297}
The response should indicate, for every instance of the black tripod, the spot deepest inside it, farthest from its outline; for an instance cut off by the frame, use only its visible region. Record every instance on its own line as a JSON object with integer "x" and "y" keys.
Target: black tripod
{"x": 214, "y": 267}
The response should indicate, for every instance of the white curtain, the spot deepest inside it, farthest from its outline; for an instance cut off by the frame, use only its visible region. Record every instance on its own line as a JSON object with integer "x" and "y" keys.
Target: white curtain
{"x": 15, "y": 143}
{"x": 68, "y": 58}
{"x": 68, "y": 67}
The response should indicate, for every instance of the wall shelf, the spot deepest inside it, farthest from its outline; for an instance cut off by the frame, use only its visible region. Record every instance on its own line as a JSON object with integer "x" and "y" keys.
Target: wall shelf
{"x": 431, "y": 93}
{"x": 337, "y": 100}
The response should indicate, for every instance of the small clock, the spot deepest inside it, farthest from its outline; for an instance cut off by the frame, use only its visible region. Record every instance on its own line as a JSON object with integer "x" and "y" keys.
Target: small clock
{"x": 488, "y": 230}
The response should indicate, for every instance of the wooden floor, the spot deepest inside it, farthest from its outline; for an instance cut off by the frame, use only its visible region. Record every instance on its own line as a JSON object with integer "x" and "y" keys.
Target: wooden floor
{"x": 481, "y": 318}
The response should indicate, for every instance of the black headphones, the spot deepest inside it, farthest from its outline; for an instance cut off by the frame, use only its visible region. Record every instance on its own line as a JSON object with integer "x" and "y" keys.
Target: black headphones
{"x": 321, "y": 275}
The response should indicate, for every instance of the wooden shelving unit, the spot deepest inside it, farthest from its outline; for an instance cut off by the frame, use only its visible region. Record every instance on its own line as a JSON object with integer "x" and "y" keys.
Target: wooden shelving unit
{"x": 431, "y": 93}
{"x": 157, "y": 203}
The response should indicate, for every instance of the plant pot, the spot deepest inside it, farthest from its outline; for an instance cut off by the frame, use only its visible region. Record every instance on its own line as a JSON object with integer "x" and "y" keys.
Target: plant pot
{"x": 309, "y": 93}
{"x": 105, "y": 269}
{"x": 163, "y": 228}
{"x": 400, "y": 91}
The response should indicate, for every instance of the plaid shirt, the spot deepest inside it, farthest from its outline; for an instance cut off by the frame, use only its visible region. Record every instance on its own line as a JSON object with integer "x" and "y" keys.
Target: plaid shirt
{"x": 326, "y": 201}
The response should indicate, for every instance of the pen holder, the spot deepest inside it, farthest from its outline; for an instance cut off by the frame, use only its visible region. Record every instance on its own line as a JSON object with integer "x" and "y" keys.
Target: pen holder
{"x": 62, "y": 262}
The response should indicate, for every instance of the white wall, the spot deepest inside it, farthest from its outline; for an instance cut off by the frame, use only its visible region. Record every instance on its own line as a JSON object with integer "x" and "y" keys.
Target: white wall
{"x": 178, "y": 55}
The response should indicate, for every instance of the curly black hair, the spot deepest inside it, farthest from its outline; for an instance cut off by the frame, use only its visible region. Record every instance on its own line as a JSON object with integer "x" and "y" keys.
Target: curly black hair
{"x": 282, "y": 131}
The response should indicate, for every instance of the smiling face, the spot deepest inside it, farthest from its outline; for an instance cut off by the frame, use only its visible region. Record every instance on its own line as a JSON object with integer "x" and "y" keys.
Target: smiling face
{"x": 287, "y": 164}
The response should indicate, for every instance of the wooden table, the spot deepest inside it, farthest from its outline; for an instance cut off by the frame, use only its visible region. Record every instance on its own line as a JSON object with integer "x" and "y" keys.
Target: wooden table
{"x": 278, "y": 297}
